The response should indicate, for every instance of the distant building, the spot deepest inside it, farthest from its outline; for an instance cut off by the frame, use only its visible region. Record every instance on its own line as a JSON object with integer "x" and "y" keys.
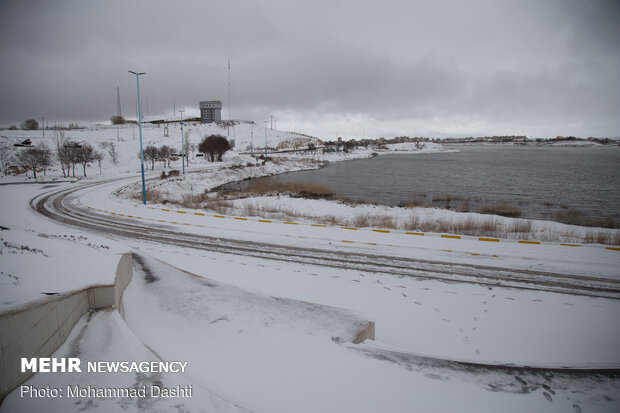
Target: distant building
{"x": 211, "y": 111}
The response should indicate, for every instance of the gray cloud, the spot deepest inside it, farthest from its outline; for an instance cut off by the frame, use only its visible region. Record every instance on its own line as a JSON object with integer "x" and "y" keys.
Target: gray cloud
{"x": 420, "y": 66}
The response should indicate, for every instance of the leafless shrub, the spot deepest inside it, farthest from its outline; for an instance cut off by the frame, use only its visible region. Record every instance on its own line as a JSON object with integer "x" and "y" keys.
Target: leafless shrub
{"x": 250, "y": 209}
{"x": 382, "y": 221}
{"x": 412, "y": 224}
{"x": 152, "y": 196}
{"x": 519, "y": 227}
{"x": 194, "y": 201}
{"x": 218, "y": 206}
{"x": 330, "y": 220}
{"x": 489, "y": 227}
{"x": 602, "y": 237}
{"x": 361, "y": 221}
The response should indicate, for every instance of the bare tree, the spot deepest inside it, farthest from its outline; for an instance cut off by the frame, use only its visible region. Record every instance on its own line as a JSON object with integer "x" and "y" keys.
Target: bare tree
{"x": 33, "y": 158}
{"x": 113, "y": 153}
{"x": 150, "y": 153}
{"x": 68, "y": 155}
{"x": 99, "y": 158}
{"x": 60, "y": 141}
{"x": 188, "y": 147}
{"x": 111, "y": 150}
{"x": 6, "y": 157}
{"x": 85, "y": 154}
{"x": 164, "y": 154}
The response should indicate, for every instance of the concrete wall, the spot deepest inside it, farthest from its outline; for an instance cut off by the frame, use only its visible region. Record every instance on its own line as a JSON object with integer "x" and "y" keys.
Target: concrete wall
{"x": 38, "y": 329}
{"x": 366, "y": 333}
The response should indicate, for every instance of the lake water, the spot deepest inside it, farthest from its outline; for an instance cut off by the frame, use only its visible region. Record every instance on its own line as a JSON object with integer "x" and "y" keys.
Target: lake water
{"x": 561, "y": 183}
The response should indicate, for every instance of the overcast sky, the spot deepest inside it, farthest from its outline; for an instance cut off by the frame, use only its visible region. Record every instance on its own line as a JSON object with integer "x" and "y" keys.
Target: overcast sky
{"x": 329, "y": 68}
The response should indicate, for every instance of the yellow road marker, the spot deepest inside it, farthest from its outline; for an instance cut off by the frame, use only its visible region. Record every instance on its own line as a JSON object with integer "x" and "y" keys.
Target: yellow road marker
{"x": 451, "y": 236}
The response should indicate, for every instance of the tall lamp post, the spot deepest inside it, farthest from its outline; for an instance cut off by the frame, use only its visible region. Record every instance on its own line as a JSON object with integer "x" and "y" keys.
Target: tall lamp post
{"x": 265, "y": 141}
{"x": 140, "y": 128}
{"x": 182, "y": 142}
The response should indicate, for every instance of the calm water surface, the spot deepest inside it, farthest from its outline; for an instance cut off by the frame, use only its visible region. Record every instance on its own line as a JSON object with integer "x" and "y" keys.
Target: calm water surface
{"x": 543, "y": 182}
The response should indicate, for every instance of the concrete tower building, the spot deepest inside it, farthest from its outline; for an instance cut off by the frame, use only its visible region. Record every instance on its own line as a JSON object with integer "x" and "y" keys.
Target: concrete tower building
{"x": 210, "y": 111}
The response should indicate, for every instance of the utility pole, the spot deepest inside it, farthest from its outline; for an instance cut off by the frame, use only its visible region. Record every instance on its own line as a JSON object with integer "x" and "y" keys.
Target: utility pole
{"x": 182, "y": 145}
{"x": 271, "y": 122}
{"x": 43, "y": 126}
{"x": 252, "y": 139}
{"x": 265, "y": 141}
{"x": 229, "y": 115}
{"x": 118, "y": 102}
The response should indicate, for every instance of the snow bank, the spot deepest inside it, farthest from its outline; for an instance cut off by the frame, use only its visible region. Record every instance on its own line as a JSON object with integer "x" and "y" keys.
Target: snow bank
{"x": 35, "y": 266}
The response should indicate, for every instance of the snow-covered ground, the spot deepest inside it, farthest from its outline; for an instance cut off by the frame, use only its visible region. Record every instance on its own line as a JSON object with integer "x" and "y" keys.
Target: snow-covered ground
{"x": 40, "y": 258}
{"x": 273, "y": 336}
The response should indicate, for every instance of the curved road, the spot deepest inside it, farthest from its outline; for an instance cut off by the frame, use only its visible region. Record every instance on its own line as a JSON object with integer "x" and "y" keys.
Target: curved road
{"x": 60, "y": 205}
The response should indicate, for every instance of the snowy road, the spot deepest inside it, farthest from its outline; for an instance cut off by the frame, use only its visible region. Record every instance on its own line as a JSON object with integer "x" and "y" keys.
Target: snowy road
{"x": 288, "y": 243}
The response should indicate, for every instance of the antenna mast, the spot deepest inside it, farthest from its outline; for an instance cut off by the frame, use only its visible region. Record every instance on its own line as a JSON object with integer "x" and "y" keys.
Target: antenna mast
{"x": 118, "y": 102}
{"x": 229, "y": 117}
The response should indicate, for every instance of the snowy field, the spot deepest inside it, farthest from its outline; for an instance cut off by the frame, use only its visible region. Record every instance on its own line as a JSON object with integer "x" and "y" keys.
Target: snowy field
{"x": 274, "y": 336}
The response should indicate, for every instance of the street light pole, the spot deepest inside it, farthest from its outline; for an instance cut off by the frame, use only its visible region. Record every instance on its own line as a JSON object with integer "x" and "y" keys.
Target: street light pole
{"x": 265, "y": 141}
{"x": 182, "y": 142}
{"x": 140, "y": 128}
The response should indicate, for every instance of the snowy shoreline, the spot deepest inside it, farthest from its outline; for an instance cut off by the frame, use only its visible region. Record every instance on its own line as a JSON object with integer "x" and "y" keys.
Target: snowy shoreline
{"x": 196, "y": 190}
